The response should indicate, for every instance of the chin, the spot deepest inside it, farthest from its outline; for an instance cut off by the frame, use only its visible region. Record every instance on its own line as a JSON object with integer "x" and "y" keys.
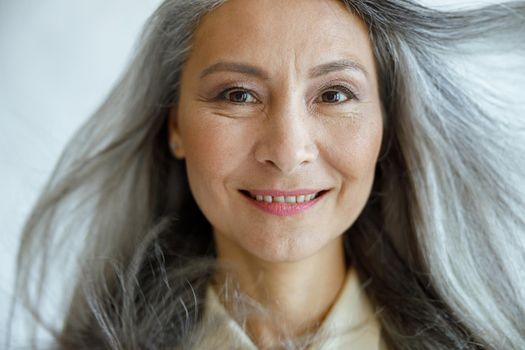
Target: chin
{"x": 290, "y": 248}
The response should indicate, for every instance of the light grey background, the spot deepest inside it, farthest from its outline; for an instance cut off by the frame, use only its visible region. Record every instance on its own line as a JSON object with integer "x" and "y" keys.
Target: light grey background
{"x": 58, "y": 60}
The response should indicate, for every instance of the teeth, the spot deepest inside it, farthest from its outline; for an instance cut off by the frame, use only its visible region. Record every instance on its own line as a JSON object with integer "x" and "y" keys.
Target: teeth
{"x": 285, "y": 199}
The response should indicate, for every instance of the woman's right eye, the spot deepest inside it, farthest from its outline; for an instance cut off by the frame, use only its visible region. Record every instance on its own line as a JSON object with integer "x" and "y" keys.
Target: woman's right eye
{"x": 237, "y": 95}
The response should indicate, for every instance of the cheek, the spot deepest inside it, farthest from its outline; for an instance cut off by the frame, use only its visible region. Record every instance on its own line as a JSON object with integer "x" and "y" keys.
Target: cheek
{"x": 355, "y": 147}
{"x": 205, "y": 149}
{"x": 354, "y": 156}
{"x": 214, "y": 146}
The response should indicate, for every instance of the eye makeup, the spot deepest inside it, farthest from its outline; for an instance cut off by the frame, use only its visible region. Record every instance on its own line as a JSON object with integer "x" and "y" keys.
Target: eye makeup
{"x": 250, "y": 96}
{"x": 348, "y": 89}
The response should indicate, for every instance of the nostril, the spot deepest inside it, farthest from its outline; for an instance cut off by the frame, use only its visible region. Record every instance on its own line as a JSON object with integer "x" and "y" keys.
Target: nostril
{"x": 287, "y": 153}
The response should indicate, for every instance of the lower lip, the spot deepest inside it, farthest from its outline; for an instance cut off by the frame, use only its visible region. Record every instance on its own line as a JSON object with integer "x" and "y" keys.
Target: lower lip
{"x": 284, "y": 209}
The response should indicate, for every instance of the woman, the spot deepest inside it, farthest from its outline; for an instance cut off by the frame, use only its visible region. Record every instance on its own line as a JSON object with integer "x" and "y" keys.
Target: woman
{"x": 322, "y": 174}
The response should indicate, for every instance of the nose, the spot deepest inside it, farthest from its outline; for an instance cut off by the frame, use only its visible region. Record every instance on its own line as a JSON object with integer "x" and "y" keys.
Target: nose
{"x": 287, "y": 139}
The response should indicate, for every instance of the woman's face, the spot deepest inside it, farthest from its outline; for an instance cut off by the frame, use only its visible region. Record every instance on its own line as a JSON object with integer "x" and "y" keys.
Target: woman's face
{"x": 279, "y": 101}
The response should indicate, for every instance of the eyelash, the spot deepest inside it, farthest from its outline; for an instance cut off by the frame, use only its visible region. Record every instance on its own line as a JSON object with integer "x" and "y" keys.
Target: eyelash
{"x": 222, "y": 95}
{"x": 338, "y": 88}
{"x": 341, "y": 88}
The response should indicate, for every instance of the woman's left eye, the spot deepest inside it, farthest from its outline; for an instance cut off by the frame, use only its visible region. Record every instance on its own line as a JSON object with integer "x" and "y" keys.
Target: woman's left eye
{"x": 336, "y": 95}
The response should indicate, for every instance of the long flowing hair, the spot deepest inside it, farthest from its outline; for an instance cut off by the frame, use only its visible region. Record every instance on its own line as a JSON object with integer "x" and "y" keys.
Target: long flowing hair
{"x": 440, "y": 243}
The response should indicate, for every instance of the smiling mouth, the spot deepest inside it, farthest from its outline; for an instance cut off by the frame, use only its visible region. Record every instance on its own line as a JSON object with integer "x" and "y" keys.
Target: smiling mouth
{"x": 303, "y": 198}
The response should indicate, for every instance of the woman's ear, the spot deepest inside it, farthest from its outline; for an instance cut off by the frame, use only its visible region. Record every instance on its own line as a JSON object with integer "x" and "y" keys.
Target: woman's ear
{"x": 174, "y": 138}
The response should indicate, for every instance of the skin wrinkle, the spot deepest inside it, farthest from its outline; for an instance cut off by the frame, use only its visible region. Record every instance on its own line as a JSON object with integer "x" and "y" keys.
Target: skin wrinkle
{"x": 287, "y": 140}
{"x": 245, "y": 68}
{"x": 426, "y": 265}
{"x": 223, "y": 66}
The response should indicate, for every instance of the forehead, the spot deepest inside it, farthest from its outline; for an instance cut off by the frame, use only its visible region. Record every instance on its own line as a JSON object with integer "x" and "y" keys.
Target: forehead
{"x": 276, "y": 32}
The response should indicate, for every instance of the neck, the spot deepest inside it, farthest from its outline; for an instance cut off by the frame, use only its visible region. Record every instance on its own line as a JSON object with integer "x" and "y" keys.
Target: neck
{"x": 284, "y": 289}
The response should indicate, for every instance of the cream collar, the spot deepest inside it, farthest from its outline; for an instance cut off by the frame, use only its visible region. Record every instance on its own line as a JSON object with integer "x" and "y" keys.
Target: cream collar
{"x": 350, "y": 323}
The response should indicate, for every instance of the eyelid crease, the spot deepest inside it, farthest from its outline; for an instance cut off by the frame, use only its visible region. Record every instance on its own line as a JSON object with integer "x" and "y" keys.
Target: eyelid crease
{"x": 223, "y": 93}
{"x": 330, "y": 86}
{"x": 340, "y": 86}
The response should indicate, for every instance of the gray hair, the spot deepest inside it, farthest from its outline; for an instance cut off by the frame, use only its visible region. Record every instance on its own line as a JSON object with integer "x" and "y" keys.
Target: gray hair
{"x": 440, "y": 242}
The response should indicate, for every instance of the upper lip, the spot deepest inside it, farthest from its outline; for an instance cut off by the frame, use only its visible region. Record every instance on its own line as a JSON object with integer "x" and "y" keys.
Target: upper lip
{"x": 275, "y": 193}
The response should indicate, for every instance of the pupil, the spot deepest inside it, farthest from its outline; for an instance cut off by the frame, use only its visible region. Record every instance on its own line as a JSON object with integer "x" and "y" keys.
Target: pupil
{"x": 331, "y": 96}
{"x": 239, "y": 96}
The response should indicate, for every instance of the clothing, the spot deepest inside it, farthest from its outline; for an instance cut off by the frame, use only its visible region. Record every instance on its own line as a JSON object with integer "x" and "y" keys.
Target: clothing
{"x": 349, "y": 324}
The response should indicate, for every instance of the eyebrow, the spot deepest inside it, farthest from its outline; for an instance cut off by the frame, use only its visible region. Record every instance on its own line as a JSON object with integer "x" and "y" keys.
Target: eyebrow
{"x": 223, "y": 66}
{"x": 339, "y": 65}
{"x": 317, "y": 71}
